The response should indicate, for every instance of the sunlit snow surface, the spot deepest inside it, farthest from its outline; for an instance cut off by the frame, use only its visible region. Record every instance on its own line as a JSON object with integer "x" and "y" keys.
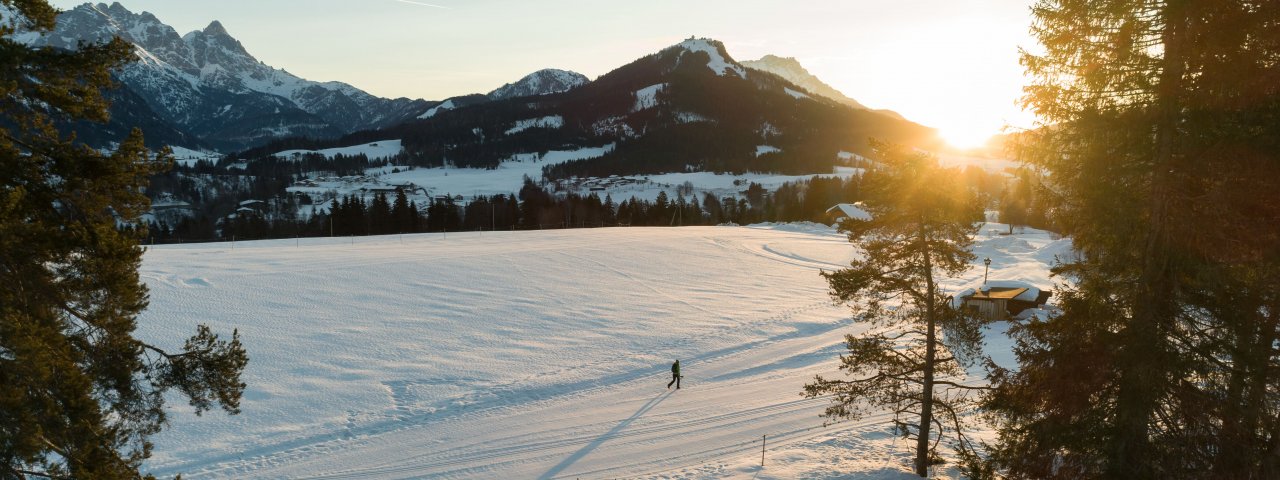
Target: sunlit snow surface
{"x": 794, "y": 94}
{"x": 539, "y": 354}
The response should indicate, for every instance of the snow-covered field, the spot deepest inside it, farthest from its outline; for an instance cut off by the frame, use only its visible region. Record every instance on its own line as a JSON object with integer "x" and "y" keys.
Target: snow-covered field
{"x": 372, "y": 150}
{"x": 187, "y": 156}
{"x": 540, "y": 354}
{"x": 508, "y": 177}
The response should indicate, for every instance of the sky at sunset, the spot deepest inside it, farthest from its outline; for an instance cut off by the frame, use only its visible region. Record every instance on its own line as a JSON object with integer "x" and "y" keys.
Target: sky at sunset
{"x": 949, "y": 64}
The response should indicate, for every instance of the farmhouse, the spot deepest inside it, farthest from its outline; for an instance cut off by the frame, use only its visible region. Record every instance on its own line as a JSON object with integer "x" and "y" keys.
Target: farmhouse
{"x": 841, "y": 211}
{"x": 1002, "y": 300}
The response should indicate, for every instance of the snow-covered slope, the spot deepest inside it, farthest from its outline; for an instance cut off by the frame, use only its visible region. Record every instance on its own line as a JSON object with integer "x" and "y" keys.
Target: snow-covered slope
{"x": 541, "y": 82}
{"x": 441, "y": 107}
{"x": 550, "y": 121}
{"x": 372, "y": 150}
{"x": 717, "y": 59}
{"x": 538, "y": 354}
{"x": 207, "y": 82}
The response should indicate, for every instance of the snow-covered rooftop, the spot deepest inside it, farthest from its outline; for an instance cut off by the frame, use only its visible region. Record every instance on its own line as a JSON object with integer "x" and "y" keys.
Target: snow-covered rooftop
{"x": 851, "y": 210}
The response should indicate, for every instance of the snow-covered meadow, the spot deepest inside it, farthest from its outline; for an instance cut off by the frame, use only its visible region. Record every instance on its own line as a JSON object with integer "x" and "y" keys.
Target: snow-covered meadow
{"x": 540, "y": 354}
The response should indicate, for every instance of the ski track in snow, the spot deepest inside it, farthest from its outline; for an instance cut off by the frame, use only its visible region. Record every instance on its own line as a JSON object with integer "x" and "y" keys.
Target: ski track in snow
{"x": 528, "y": 354}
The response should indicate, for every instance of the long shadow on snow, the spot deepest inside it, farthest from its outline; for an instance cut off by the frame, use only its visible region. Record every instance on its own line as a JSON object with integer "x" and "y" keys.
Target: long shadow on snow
{"x": 567, "y": 462}
{"x": 494, "y": 400}
{"x": 801, "y": 360}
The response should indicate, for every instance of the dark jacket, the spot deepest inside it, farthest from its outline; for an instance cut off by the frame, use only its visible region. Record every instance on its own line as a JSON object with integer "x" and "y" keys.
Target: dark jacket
{"x": 675, "y": 368}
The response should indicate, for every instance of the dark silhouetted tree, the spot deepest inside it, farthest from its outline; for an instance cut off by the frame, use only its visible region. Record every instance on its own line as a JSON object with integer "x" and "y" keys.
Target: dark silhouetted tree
{"x": 1160, "y": 141}
{"x": 80, "y": 395}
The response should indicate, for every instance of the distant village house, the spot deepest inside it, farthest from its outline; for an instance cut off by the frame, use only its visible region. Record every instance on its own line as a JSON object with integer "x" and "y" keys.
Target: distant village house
{"x": 1002, "y": 300}
{"x": 841, "y": 211}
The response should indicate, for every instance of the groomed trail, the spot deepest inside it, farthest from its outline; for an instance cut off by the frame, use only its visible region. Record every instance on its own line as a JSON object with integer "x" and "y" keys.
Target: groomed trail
{"x": 539, "y": 354}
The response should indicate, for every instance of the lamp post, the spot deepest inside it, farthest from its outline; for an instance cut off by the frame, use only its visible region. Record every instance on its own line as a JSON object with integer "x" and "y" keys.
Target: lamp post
{"x": 987, "y": 268}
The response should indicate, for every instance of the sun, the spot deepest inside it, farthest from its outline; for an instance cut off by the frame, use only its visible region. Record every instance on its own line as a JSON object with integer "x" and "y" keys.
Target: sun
{"x": 965, "y": 136}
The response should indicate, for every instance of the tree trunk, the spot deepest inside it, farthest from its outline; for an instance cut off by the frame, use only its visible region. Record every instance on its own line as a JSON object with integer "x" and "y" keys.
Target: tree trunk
{"x": 930, "y": 352}
{"x": 1144, "y": 348}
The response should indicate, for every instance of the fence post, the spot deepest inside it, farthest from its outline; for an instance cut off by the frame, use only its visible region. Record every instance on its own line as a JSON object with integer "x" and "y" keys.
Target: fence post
{"x": 233, "y": 242}
{"x": 763, "y": 440}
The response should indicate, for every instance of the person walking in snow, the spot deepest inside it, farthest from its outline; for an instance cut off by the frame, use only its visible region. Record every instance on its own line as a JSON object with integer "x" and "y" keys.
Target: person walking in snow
{"x": 675, "y": 375}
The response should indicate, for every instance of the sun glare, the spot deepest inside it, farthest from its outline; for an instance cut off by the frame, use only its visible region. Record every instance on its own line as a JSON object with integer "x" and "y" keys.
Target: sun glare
{"x": 965, "y": 136}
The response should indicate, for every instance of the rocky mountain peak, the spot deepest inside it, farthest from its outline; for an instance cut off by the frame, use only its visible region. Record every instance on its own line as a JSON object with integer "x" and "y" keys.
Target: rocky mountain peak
{"x": 215, "y": 28}
{"x": 790, "y": 69}
{"x": 789, "y": 63}
{"x": 115, "y": 9}
{"x": 541, "y": 82}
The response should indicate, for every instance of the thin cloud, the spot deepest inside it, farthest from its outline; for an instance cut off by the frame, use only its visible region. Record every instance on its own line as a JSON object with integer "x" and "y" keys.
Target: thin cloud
{"x": 410, "y": 2}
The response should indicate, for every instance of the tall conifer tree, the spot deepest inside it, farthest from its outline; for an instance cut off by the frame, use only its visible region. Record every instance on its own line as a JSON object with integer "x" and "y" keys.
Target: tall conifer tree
{"x": 79, "y": 394}
{"x": 921, "y": 227}
{"x": 1160, "y": 137}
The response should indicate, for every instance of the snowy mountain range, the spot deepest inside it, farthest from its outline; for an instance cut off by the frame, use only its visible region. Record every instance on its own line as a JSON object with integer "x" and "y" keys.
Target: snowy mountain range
{"x": 207, "y": 83}
{"x": 204, "y": 89}
{"x": 689, "y": 107}
{"x": 790, "y": 69}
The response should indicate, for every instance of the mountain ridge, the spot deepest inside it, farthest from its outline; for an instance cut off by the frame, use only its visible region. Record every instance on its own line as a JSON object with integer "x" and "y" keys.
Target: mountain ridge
{"x": 541, "y": 82}
{"x": 208, "y": 86}
{"x": 791, "y": 69}
{"x": 687, "y": 107}
{"x": 192, "y": 79}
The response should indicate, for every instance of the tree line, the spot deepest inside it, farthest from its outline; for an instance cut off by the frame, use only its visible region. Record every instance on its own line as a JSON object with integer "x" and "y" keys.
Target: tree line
{"x": 534, "y": 207}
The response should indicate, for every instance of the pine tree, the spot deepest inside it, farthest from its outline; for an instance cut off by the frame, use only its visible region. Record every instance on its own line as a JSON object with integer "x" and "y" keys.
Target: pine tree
{"x": 660, "y": 213}
{"x": 403, "y": 219}
{"x": 380, "y": 218}
{"x": 1161, "y": 145}
{"x": 713, "y": 208}
{"x": 79, "y": 394}
{"x": 921, "y": 227}
{"x": 610, "y": 211}
{"x": 414, "y": 217}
